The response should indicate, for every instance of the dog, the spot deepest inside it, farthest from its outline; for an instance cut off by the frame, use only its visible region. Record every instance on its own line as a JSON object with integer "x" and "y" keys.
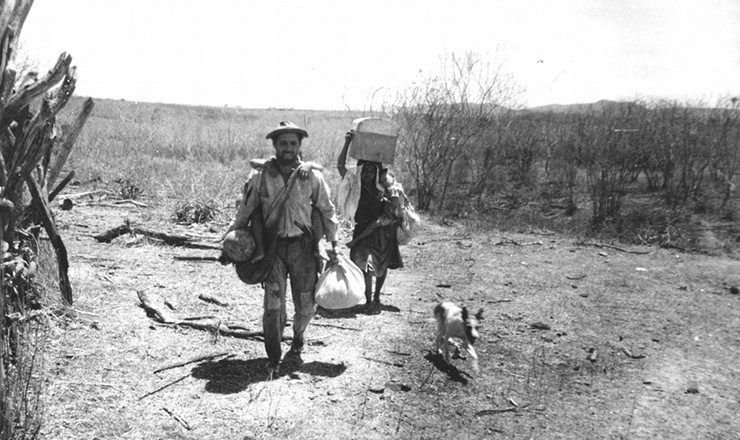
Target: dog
{"x": 454, "y": 324}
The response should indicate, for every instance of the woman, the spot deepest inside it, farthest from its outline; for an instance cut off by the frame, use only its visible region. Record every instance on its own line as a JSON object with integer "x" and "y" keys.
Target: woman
{"x": 374, "y": 248}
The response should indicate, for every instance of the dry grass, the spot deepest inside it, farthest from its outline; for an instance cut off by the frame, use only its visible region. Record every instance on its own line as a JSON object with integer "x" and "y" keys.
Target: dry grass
{"x": 638, "y": 346}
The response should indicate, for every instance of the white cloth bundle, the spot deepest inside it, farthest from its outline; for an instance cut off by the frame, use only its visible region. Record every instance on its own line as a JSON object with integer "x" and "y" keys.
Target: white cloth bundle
{"x": 341, "y": 286}
{"x": 409, "y": 227}
{"x": 348, "y": 194}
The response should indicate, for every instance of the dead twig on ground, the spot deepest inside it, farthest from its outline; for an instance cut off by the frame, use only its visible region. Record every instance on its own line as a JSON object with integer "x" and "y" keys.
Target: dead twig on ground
{"x": 179, "y": 419}
{"x": 196, "y": 258}
{"x": 400, "y": 353}
{"x": 88, "y": 193}
{"x": 575, "y": 277}
{"x": 169, "y": 384}
{"x": 609, "y": 246}
{"x": 516, "y": 243}
{"x": 673, "y": 246}
{"x": 487, "y": 412}
{"x": 192, "y": 360}
{"x": 212, "y": 299}
{"x": 336, "y": 326}
{"x": 431, "y": 370}
{"x": 130, "y": 201}
{"x": 156, "y": 308}
{"x": 96, "y": 384}
{"x": 629, "y": 353}
{"x": 167, "y": 238}
{"x": 392, "y": 364}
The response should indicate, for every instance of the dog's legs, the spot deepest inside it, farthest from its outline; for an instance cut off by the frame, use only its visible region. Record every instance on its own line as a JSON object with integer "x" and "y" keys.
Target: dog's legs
{"x": 440, "y": 333}
{"x": 473, "y": 356}
{"x": 446, "y": 344}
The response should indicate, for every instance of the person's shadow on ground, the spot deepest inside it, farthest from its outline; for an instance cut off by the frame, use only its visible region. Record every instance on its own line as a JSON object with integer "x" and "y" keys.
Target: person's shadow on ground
{"x": 228, "y": 376}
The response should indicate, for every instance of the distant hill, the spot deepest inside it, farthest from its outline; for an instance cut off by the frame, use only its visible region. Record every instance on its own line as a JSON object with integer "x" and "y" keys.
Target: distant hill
{"x": 619, "y": 107}
{"x": 601, "y": 106}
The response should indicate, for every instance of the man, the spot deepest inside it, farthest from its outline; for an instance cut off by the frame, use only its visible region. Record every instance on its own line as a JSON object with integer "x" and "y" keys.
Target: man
{"x": 284, "y": 202}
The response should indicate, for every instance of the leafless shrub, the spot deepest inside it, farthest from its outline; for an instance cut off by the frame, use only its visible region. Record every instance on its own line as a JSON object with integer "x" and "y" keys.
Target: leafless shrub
{"x": 443, "y": 116}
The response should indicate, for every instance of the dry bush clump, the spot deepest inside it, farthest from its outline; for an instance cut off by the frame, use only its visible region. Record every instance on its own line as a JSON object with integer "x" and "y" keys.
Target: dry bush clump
{"x": 196, "y": 211}
{"x": 128, "y": 189}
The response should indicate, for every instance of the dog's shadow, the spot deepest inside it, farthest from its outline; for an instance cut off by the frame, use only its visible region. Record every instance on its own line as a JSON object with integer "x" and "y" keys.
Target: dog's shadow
{"x": 452, "y": 372}
{"x": 229, "y": 376}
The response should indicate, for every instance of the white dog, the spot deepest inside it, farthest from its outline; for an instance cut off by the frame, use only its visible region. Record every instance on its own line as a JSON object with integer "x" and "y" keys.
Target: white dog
{"x": 455, "y": 325}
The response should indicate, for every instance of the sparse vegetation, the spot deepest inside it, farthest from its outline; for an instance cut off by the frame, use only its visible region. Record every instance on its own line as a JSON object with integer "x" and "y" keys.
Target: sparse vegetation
{"x": 660, "y": 173}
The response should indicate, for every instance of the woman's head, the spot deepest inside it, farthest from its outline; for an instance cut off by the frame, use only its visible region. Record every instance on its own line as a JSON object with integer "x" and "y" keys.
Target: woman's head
{"x": 368, "y": 173}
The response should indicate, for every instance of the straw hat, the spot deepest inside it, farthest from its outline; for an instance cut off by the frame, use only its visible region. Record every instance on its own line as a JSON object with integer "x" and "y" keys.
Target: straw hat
{"x": 286, "y": 127}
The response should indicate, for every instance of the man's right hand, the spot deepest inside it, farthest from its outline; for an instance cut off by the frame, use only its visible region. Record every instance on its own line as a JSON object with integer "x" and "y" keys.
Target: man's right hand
{"x": 224, "y": 259}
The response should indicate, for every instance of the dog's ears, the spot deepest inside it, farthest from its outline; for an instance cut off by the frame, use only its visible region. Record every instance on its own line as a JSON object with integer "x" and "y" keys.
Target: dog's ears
{"x": 478, "y": 315}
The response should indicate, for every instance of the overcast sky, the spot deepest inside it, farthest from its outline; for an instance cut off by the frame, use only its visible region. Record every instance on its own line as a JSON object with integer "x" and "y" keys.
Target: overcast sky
{"x": 334, "y": 54}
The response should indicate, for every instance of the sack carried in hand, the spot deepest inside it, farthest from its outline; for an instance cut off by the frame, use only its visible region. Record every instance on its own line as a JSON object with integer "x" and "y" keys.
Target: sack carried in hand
{"x": 409, "y": 225}
{"x": 341, "y": 286}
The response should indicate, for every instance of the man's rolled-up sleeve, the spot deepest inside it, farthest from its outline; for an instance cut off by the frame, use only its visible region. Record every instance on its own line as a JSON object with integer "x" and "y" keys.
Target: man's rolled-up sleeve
{"x": 321, "y": 199}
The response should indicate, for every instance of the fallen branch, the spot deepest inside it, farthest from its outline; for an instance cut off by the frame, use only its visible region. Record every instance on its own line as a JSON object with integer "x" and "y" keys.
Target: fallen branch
{"x": 431, "y": 370}
{"x": 195, "y": 258}
{"x": 170, "y": 239}
{"x": 510, "y": 241}
{"x": 213, "y": 300}
{"x": 576, "y": 277}
{"x": 486, "y": 412}
{"x": 673, "y": 246}
{"x": 608, "y": 246}
{"x": 87, "y": 193}
{"x": 165, "y": 386}
{"x": 190, "y": 361}
{"x": 131, "y": 201}
{"x": 400, "y": 353}
{"x": 392, "y": 364}
{"x": 179, "y": 419}
{"x": 336, "y": 326}
{"x": 629, "y": 354}
{"x": 155, "y": 307}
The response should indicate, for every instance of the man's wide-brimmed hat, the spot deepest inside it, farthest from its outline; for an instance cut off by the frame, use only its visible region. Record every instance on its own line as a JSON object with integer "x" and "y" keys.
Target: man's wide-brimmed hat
{"x": 286, "y": 127}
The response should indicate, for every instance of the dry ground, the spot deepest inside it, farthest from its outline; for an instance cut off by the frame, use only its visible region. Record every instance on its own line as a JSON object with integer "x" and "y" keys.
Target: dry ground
{"x": 623, "y": 345}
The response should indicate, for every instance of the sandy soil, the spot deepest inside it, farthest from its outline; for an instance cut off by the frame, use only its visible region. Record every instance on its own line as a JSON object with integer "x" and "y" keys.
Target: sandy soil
{"x": 578, "y": 342}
